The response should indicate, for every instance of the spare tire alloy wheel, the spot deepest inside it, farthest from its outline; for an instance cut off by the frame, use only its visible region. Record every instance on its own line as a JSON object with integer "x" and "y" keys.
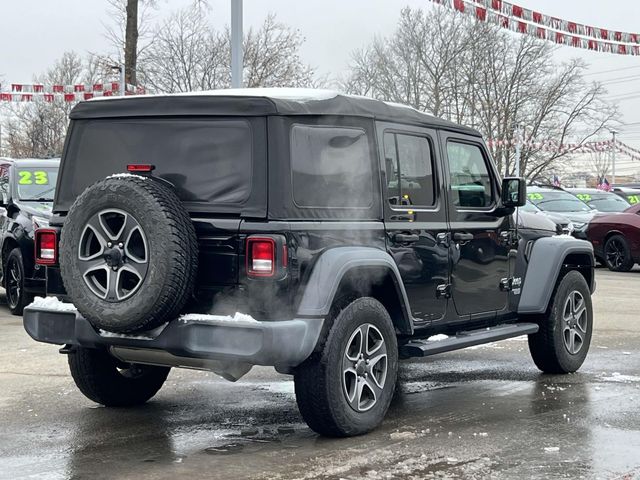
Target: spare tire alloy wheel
{"x": 364, "y": 367}
{"x": 113, "y": 255}
{"x": 128, "y": 254}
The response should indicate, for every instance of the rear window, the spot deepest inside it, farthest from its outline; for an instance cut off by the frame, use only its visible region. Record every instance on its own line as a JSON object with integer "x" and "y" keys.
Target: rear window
{"x": 331, "y": 167}
{"x": 208, "y": 160}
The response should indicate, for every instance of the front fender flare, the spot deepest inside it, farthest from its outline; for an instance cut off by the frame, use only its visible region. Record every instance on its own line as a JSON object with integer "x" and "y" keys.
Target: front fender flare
{"x": 330, "y": 269}
{"x": 545, "y": 263}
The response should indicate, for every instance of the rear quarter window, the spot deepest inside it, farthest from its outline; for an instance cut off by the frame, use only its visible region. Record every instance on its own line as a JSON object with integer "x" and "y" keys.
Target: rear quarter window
{"x": 331, "y": 167}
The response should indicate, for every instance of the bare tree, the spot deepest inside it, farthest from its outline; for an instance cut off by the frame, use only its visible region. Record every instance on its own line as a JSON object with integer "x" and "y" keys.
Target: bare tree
{"x": 37, "y": 129}
{"x": 187, "y": 54}
{"x": 130, "y": 31}
{"x": 477, "y": 74}
{"x": 600, "y": 163}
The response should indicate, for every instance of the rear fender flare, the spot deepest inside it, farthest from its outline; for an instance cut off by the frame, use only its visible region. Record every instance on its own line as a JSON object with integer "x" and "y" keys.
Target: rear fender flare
{"x": 331, "y": 268}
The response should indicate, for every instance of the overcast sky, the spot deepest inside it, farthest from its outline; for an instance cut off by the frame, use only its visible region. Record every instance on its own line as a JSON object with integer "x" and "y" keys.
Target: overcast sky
{"x": 33, "y": 33}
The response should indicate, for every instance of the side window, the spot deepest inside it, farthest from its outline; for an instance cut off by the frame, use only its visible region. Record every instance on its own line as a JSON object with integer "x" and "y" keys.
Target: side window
{"x": 469, "y": 175}
{"x": 331, "y": 167}
{"x": 409, "y": 166}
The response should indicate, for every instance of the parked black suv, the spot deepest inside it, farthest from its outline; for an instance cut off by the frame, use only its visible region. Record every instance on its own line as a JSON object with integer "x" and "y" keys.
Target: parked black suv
{"x": 26, "y": 188}
{"x": 347, "y": 231}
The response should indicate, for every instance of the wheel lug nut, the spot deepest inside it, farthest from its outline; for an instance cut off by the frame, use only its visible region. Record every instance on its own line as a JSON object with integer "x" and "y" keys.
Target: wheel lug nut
{"x": 109, "y": 244}
{"x": 121, "y": 245}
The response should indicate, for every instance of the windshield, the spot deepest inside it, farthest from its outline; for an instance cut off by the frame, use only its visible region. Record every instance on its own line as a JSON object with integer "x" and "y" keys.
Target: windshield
{"x": 36, "y": 183}
{"x": 633, "y": 198}
{"x": 607, "y": 203}
{"x": 557, "y": 201}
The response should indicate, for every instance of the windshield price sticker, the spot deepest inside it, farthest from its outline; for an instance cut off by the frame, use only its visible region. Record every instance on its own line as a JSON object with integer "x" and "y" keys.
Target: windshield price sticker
{"x": 633, "y": 199}
{"x": 535, "y": 196}
{"x": 28, "y": 177}
{"x": 585, "y": 197}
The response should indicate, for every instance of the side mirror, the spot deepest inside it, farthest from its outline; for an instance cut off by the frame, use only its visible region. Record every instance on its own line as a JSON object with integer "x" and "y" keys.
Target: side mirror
{"x": 514, "y": 192}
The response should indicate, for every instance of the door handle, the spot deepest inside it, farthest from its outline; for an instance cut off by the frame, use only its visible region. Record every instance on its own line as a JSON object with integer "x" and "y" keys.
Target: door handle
{"x": 463, "y": 237}
{"x": 406, "y": 237}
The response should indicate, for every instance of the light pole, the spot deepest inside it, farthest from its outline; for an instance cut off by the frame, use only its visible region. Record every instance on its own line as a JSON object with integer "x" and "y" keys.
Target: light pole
{"x": 613, "y": 158}
{"x": 236, "y": 44}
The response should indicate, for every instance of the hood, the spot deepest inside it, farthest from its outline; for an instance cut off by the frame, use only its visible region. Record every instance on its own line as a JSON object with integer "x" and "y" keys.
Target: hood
{"x": 536, "y": 221}
{"x": 39, "y": 209}
{"x": 579, "y": 217}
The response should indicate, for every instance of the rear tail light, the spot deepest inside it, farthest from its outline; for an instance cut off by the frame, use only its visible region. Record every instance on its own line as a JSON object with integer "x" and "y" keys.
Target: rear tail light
{"x": 140, "y": 167}
{"x": 46, "y": 244}
{"x": 261, "y": 257}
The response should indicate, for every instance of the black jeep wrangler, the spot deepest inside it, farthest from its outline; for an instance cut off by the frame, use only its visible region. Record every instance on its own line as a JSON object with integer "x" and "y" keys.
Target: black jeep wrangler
{"x": 322, "y": 234}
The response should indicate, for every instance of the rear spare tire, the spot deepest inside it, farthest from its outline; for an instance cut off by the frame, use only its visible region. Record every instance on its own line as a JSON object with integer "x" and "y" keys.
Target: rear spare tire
{"x": 128, "y": 254}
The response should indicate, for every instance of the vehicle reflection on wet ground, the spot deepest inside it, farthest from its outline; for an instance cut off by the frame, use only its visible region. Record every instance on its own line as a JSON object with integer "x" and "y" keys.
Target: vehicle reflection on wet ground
{"x": 481, "y": 412}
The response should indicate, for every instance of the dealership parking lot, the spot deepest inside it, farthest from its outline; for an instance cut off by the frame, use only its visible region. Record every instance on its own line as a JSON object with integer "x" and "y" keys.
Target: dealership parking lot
{"x": 485, "y": 411}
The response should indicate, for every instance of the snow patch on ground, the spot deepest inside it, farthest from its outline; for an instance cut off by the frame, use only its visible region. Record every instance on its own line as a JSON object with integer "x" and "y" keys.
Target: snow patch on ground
{"x": 618, "y": 377}
{"x": 52, "y": 303}
{"x": 200, "y": 317}
{"x": 125, "y": 175}
{"x": 437, "y": 338}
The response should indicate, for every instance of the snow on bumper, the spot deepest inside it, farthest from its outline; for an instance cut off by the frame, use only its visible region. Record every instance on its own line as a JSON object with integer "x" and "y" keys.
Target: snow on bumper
{"x": 285, "y": 343}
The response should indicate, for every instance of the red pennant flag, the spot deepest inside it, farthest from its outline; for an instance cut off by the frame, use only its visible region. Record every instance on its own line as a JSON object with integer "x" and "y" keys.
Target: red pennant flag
{"x": 5, "y": 97}
{"x": 115, "y": 86}
{"x": 458, "y": 5}
{"x": 572, "y": 27}
{"x": 496, "y": 5}
{"x": 522, "y": 27}
{"x": 617, "y": 36}
{"x": 593, "y": 45}
{"x": 622, "y": 49}
{"x": 48, "y": 97}
{"x": 481, "y": 14}
{"x": 88, "y": 95}
{"x": 69, "y": 97}
{"x": 38, "y": 88}
{"x": 575, "y": 41}
{"x": 107, "y": 93}
{"x": 58, "y": 89}
{"x": 97, "y": 87}
{"x": 78, "y": 88}
{"x": 541, "y": 33}
{"x": 27, "y": 97}
{"x": 559, "y": 37}
{"x": 537, "y": 17}
{"x": 141, "y": 90}
{"x": 604, "y": 34}
{"x": 504, "y": 21}
{"x": 516, "y": 11}
{"x": 16, "y": 87}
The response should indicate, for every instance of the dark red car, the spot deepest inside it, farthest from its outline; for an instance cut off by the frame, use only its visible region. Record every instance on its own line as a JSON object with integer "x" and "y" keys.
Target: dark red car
{"x": 616, "y": 238}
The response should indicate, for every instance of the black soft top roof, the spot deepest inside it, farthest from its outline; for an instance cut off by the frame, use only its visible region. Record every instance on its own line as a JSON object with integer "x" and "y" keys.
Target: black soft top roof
{"x": 259, "y": 102}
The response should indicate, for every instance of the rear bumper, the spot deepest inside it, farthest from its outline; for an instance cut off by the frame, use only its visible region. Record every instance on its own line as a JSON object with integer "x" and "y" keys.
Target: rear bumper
{"x": 282, "y": 344}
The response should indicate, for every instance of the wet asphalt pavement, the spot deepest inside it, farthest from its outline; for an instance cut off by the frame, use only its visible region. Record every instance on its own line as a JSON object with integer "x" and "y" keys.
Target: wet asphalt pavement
{"x": 477, "y": 413}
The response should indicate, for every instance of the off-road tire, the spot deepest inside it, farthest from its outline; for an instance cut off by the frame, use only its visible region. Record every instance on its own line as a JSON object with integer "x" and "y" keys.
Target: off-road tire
{"x": 621, "y": 243}
{"x": 547, "y": 347}
{"x": 109, "y": 382}
{"x": 318, "y": 381}
{"x": 20, "y": 299}
{"x": 172, "y": 254}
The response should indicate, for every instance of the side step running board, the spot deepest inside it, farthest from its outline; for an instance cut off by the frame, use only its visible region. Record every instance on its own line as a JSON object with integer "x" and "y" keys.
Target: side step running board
{"x": 424, "y": 348}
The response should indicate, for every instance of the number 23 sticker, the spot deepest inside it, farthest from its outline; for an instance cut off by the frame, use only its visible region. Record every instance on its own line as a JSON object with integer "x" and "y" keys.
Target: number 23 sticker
{"x": 28, "y": 177}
